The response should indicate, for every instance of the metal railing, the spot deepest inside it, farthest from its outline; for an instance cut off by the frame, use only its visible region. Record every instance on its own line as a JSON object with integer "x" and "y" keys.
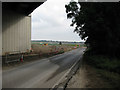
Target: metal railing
{"x": 13, "y": 56}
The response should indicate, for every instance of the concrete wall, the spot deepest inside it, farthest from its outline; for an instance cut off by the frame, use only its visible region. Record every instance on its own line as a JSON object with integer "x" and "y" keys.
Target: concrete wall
{"x": 16, "y": 32}
{"x": 0, "y": 29}
{"x": 0, "y": 45}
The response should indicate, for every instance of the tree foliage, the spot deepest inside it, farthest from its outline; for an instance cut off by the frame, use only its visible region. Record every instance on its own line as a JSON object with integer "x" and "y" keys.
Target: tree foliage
{"x": 97, "y": 23}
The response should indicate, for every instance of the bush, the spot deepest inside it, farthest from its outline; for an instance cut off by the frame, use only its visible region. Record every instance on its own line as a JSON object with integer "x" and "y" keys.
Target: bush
{"x": 103, "y": 62}
{"x": 114, "y": 78}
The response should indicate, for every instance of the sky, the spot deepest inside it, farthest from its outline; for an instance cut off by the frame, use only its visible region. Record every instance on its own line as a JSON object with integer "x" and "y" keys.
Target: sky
{"x": 49, "y": 22}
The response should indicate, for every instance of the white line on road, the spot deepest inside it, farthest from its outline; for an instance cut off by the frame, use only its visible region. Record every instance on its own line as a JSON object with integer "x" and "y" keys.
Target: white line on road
{"x": 64, "y": 76}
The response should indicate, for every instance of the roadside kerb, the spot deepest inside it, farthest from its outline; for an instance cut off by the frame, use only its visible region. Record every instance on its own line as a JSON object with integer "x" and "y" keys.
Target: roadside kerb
{"x": 63, "y": 81}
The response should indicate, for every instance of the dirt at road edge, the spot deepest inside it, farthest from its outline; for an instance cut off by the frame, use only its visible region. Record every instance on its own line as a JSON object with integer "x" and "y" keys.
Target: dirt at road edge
{"x": 86, "y": 77}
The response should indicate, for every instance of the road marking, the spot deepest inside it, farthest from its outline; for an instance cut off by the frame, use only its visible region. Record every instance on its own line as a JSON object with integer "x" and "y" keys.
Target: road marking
{"x": 64, "y": 76}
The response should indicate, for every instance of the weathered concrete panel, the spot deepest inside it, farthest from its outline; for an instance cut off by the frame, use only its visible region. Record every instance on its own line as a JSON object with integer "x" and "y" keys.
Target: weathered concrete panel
{"x": 0, "y": 45}
{"x": 0, "y": 28}
{"x": 16, "y": 32}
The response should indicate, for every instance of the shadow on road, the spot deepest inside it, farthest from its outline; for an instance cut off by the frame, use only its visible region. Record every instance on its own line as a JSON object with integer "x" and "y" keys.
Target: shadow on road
{"x": 65, "y": 62}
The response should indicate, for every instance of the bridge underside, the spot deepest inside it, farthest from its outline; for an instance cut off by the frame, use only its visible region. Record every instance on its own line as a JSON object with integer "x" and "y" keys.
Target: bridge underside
{"x": 25, "y": 8}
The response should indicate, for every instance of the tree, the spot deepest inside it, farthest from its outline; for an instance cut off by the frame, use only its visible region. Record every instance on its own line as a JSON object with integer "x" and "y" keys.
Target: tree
{"x": 60, "y": 43}
{"x": 98, "y": 24}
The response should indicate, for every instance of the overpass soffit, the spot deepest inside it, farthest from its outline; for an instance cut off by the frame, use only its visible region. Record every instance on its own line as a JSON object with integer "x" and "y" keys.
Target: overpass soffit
{"x": 23, "y": 0}
{"x": 25, "y": 8}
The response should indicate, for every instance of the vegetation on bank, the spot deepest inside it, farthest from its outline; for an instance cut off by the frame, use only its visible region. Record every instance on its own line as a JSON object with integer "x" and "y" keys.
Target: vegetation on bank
{"x": 103, "y": 62}
{"x": 99, "y": 25}
{"x": 107, "y": 67}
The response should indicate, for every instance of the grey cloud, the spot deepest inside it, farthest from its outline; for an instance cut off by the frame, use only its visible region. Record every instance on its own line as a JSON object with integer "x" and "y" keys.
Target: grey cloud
{"x": 49, "y": 21}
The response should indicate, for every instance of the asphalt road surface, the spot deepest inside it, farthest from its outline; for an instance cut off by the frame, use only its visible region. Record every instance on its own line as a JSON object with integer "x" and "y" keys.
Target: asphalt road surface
{"x": 42, "y": 73}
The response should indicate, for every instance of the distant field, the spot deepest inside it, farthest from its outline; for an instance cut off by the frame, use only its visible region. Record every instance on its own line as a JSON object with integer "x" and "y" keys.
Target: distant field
{"x": 41, "y": 50}
{"x": 45, "y": 48}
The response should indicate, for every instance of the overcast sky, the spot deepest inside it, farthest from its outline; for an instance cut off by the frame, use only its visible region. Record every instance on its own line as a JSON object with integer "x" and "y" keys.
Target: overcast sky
{"x": 49, "y": 22}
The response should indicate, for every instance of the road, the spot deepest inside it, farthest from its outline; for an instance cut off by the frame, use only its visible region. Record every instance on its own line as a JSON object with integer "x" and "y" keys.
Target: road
{"x": 42, "y": 73}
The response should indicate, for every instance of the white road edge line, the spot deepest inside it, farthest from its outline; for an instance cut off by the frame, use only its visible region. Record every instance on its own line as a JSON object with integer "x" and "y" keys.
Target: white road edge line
{"x": 65, "y": 75}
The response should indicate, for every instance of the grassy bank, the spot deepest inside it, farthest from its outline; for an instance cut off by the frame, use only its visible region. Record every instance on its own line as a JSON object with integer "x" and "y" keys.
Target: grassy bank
{"x": 107, "y": 67}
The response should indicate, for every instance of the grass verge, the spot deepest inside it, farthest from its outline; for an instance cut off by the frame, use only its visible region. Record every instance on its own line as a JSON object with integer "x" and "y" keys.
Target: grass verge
{"x": 108, "y": 68}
